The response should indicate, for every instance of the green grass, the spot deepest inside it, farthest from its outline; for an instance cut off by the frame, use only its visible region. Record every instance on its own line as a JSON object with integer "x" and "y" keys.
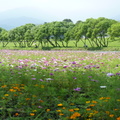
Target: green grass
{"x": 59, "y": 85}
{"x": 113, "y": 46}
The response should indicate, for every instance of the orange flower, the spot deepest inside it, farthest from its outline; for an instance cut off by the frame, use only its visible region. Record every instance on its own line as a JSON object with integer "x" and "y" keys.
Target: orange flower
{"x": 12, "y": 90}
{"x": 41, "y": 101}
{"x": 107, "y": 97}
{"x": 107, "y": 112}
{"x": 76, "y": 114}
{"x": 118, "y": 118}
{"x": 27, "y": 98}
{"x": 71, "y": 110}
{"x": 92, "y": 105}
{"x": 15, "y": 95}
{"x": 111, "y": 115}
{"x": 94, "y": 101}
{"x": 32, "y": 114}
{"x": 16, "y": 114}
{"x": 88, "y": 109}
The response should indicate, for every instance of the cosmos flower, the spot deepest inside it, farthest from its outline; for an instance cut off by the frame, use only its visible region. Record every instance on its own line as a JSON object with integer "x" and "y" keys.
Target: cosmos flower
{"x": 110, "y": 74}
{"x": 77, "y": 89}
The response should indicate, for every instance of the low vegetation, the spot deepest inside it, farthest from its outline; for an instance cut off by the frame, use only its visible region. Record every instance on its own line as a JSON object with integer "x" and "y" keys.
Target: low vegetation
{"x": 59, "y": 85}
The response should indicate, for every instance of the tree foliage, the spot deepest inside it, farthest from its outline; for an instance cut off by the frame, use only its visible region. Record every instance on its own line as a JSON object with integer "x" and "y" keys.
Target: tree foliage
{"x": 96, "y": 32}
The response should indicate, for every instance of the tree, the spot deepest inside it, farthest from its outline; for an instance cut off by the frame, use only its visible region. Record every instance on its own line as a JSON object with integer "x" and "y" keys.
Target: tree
{"x": 17, "y": 35}
{"x": 114, "y": 30}
{"x": 4, "y": 37}
{"x": 67, "y": 20}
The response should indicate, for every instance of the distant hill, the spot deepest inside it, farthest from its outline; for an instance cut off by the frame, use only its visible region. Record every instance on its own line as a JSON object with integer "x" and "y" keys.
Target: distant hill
{"x": 11, "y": 23}
{"x": 16, "y": 17}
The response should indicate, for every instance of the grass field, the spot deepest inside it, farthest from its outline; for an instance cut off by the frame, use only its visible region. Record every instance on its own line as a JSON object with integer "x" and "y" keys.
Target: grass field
{"x": 59, "y": 85}
{"x": 113, "y": 46}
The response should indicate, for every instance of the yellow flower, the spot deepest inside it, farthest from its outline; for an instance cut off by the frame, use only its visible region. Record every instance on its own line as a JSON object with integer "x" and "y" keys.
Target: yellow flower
{"x": 58, "y": 110}
{"x": 101, "y": 98}
{"x": 48, "y": 110}
{"x": 87, "y": 101}
{"x": 72, "y": 104}
{"x": 63, "y": 107}
{"x": 6, "y": 95}
{"x": 60, "y": 104}
{"x": 4, "y": 86}
{"x": 61, "y": 114}
{"x": 34, "y": 111}
{"x": 76, "y": 109}
{"x": 34, "y": 96}
{"x": 91, "y": 114}
{"x": 42, "y": 86}
{"x": 32, "y": 114}
{"x": 107, "y": 112}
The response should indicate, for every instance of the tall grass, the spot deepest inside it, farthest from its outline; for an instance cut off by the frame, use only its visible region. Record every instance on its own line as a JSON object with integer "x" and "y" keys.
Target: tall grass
{"x": 59, "y": 85}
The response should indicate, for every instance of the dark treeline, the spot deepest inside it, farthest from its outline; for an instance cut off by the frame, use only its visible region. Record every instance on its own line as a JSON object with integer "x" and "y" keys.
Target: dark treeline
{"x": 95, "y": 31}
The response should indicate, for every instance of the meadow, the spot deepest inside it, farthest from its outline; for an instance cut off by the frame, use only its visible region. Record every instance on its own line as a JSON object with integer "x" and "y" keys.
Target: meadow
{"x": 114, "y": 45}
{"x": 59, "y": 85}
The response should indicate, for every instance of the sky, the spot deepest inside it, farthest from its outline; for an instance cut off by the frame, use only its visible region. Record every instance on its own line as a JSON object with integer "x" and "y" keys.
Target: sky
{"x": 71, "y": 9}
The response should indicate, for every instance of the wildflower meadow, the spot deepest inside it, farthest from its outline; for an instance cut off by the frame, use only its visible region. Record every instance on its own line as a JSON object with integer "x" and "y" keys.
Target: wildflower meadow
{"x": 59, "y": 85}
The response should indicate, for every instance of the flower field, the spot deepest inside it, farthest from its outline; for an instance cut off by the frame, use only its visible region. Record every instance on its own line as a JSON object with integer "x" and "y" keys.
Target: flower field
{"x": 59, "y": 85}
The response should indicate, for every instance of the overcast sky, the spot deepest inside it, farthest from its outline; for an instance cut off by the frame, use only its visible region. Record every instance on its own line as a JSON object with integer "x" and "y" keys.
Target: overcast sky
{"x": 72, "y": 9}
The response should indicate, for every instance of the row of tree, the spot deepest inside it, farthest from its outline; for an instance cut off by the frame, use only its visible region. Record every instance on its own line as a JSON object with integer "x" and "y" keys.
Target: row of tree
{"x": 95, "y": 31}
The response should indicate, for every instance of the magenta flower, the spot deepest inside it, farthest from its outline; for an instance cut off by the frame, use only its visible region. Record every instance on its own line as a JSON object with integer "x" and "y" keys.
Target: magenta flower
{"x": 110, "y": 74}
{"x": 33, "y": 78}
{"x": 118, "y": 74}
{"x": 73, "y": 62}
{"x": 51, "y": 74}
{"x": 41, "y": 80}
{"x": 77, "y": 89}
{"x": 74, "y": 78}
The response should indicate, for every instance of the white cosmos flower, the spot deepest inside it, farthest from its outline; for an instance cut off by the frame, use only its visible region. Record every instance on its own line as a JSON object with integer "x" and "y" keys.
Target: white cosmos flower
{"x": 49, "y": 79}
{"x": 110, "y": 74}
{"x": 103, "y": 86}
